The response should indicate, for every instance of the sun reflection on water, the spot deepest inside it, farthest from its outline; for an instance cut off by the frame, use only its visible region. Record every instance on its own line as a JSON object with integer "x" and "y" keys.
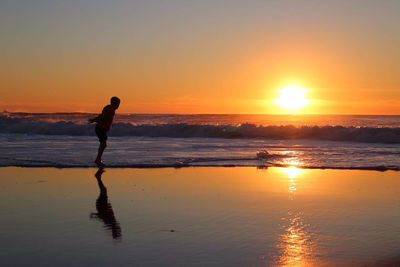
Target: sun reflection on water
{"x": 295, "y": 243}
{"x": 292, "y": 171}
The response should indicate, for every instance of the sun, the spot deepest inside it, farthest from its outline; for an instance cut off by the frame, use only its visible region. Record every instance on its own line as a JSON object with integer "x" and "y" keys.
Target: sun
{"x": 292, "y": 98}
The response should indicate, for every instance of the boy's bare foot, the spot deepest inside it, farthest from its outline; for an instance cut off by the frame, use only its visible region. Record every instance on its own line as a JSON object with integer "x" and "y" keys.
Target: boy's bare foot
{"x": 100, "y": 163}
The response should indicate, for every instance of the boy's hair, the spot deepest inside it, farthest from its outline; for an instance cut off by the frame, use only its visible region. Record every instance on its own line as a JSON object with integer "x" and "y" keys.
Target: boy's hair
{"x": 115, "y": 101}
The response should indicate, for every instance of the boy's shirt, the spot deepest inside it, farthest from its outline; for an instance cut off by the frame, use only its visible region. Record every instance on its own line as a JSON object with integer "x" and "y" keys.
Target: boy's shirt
{"x": 105, "y": 119}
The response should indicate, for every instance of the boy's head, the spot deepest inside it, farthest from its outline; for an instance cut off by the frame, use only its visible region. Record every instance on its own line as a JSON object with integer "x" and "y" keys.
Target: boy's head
{"x": 115, "y": 101}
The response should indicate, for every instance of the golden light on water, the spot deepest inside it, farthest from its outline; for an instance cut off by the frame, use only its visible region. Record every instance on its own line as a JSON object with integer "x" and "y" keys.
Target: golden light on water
{"x": 292, "y": 98}
{"x": 295, "y": 243}
{"x": 292, "y": 171}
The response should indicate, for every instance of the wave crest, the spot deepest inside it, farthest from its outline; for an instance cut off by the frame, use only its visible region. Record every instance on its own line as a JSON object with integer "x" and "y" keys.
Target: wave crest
{"x": 183, "y": 130}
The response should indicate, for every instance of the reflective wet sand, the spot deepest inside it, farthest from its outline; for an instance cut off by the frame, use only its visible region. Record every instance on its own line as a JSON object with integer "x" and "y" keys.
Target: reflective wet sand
{"x": 199, "y": 217}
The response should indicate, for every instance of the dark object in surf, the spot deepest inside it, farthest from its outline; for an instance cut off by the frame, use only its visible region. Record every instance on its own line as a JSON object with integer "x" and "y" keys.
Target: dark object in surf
{"x": 263, "y": 154}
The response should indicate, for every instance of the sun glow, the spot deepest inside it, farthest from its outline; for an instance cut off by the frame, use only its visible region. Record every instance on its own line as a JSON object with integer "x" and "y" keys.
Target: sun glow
{"x": 292, "y": 98}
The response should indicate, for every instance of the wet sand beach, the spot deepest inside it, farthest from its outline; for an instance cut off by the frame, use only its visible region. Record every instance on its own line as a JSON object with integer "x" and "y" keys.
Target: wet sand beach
{"x": 199, "y": 216}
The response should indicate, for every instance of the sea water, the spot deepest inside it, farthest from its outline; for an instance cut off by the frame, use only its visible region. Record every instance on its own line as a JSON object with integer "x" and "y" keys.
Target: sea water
{"x": 163, "y": 140}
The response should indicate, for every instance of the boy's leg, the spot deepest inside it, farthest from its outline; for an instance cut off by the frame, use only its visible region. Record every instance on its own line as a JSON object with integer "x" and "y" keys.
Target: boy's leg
{"x": 102, "y": 146}
{"x": 102, "y": 135}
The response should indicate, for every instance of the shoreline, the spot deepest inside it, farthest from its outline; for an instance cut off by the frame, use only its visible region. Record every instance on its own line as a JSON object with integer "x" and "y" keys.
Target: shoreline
{"x": 181, "y": 166}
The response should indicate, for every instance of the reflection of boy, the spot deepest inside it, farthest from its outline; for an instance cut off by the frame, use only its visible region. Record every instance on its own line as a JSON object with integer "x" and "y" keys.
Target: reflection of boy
{"x": 104, "y": 209}
{"x": 103, "y": 125}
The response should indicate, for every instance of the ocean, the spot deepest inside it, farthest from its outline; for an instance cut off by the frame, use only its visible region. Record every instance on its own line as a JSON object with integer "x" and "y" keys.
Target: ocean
{"x": 171, "y": 140}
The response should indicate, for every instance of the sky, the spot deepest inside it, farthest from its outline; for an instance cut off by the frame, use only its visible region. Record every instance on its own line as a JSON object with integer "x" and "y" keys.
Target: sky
{"x": 208, "y": 56}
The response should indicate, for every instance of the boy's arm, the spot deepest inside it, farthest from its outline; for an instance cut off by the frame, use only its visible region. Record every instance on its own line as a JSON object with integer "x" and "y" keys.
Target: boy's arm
{"x": 95, "y": 119}
{"x": 106, "y": 115}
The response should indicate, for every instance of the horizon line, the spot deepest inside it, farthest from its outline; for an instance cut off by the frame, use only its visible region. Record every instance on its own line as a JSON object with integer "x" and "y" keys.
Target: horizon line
{"x": 166, "y": 113}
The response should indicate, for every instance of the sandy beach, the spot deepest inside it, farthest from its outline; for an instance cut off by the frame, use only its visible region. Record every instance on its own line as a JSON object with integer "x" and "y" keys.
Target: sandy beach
{"x": 199, "y": 216}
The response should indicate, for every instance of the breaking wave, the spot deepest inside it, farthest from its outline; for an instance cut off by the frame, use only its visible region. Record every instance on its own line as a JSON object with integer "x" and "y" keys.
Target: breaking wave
{"x": 184, "y": 130}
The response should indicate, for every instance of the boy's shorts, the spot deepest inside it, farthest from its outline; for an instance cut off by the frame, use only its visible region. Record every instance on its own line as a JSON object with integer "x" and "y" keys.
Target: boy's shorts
{"x": 101, "y": 133}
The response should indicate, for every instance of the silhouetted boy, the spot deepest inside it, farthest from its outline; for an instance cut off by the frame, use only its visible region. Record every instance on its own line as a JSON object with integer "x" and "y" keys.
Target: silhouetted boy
{"x": 103, "y": 125}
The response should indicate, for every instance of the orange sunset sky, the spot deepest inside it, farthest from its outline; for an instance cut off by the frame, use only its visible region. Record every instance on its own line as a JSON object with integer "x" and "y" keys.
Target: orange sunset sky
{"x": 200, "y": 56}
